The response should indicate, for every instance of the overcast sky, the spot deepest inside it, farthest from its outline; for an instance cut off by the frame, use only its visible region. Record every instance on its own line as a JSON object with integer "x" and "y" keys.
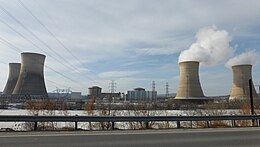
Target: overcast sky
{"x": 91, "y": 42}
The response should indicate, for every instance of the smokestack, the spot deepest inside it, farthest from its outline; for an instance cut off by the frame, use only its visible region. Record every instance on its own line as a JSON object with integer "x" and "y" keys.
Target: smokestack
{"x": 240, "y": 89}
{"x": 189, "y": 85}
{"x": 31, "y": 78}
{"x": 14, "y": 70}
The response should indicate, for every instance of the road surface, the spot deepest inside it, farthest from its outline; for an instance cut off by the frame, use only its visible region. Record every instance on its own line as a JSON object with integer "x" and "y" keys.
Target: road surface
{"x": 221, "y": 137}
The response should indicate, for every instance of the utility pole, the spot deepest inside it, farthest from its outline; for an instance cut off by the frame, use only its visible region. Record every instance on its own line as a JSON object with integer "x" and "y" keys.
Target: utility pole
{"x": 167, "y": 90}
{"x": 251, "y": 99}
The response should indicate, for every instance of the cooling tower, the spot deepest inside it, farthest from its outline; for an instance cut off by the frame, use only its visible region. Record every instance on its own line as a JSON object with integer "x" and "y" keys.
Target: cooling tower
{"x": 240, "y": 88}
{"x": 189, "y": 85}
{"x": 31, "y": 78}
{"x": 14, "y": 70}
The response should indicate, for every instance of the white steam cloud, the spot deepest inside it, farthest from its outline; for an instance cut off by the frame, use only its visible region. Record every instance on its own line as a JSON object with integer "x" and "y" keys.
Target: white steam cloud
{"x": 250, "y": 57}
{"x": 212, "y": 47}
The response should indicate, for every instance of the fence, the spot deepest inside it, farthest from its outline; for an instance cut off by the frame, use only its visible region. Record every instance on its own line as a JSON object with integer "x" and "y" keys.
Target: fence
{"x": 112, "y": 119}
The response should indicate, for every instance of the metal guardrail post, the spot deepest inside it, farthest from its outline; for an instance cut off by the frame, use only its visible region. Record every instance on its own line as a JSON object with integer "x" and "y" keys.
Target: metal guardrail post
{"x": 253, "y": 122}
{"x": 178, "y": 124}
{"x": 76, "y": 124}
{"x": 147, "y": 124}
{"x": 207, "y": 124}
{"x": 233, "y": 124}
{"x": 113, "y": 125}
{"x": 35, "y": 126}
{"x": 90, "y": 126}
{"x": 35, "y": 123}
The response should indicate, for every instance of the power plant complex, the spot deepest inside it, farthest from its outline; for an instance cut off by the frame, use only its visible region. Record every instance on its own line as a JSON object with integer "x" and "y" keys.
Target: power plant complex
{"x": 27, "y": 78}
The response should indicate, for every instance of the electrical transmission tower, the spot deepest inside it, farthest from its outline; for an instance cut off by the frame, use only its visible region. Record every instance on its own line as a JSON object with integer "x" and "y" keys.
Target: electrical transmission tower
{"x": 112, "y": 89}
{"x": 153, "y": 86}
{"x": 167, "y": 90}
{"x": 153, "y": 90}
{"x": 112, "y": 86}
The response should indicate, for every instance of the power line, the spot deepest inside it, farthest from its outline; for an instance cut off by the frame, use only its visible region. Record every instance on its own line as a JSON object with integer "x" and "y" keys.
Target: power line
{"x": 56, "y": 83}
{"x": 3, "y": 41}
{"x": 36, "y": 37}
{"x": 54, "y": 36}
{"x": 48, "y": 30}
{"x": 61, "y": 74}
{"x": 20, "y": 23}
{"x": 45, "y": 78}
{"x": 10, "y": 44}
{"x": 28, "y": 41}
{"x": 25, "y": 38}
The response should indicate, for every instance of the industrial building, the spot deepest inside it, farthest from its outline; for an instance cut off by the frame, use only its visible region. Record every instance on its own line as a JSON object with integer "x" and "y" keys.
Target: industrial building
{"x": 66, "y": 96}
{"x": 96, "y": 92}
{"x": 139, "y": 94}
{"x": 189, "y": 84}
{"x": 240, "y": 88}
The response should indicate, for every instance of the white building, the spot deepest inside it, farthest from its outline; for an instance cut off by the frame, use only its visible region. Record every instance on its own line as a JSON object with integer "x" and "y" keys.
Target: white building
{"x": 139, "y": 94}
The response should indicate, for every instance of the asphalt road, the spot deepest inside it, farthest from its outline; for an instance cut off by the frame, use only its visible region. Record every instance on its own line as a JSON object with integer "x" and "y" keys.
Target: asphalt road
{"x": 230, "y": 137}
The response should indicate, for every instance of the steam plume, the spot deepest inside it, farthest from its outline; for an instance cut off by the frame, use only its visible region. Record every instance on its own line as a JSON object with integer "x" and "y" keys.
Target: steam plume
{"x": 211, "y": 47}
{"x": 250, "y": 57}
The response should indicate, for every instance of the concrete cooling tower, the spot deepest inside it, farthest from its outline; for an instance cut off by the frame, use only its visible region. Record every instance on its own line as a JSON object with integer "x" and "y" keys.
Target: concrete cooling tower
{"x": 240, "y": 88}
{"x": 189, "y": 85}
{"x": 31, "y": 78}
{"x": 14, "y": 71}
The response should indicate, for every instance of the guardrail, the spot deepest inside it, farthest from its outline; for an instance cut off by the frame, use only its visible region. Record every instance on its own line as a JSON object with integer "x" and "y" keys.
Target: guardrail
{"x": 112, "y": 119}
